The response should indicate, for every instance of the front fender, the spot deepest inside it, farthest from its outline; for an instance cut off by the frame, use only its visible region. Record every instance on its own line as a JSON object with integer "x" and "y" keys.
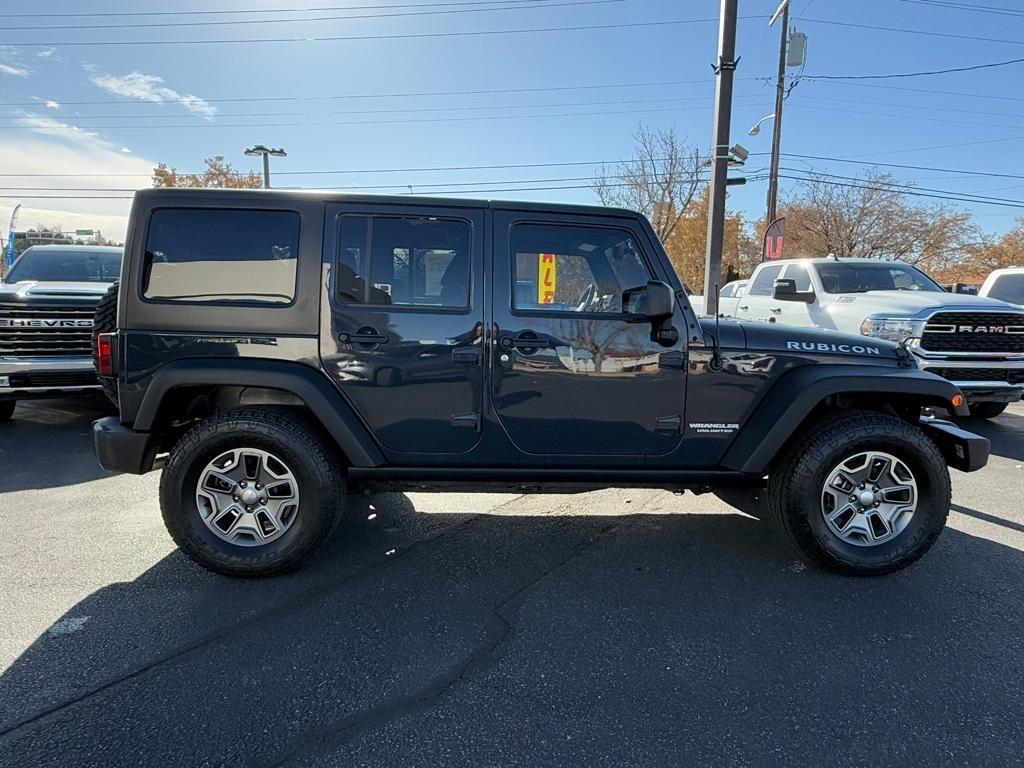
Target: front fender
{"x": 797, "y": 393}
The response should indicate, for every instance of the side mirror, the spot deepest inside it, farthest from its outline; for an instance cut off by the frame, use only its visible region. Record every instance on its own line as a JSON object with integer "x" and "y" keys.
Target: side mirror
{"x": 655, "y": 301}
{"x": 785, "y": 290}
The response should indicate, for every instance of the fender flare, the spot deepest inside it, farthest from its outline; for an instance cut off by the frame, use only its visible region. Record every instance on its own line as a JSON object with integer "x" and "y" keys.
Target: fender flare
{"x": 791, "y": 400}
{"x": 308, "y": 384}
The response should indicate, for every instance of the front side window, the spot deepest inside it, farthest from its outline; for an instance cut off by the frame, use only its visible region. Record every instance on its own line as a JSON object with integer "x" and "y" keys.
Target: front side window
{"x": 764, "y": 281}
{"x": 403, "y": 261}
{"x": 575, "y": 268}
{"x": 221, "y": 255}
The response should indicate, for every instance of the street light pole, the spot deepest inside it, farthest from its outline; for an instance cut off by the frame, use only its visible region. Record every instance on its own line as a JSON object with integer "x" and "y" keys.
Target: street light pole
{"x": 780, "y": 92}
{"x": 720, "y": 153}
{"x": 265, "y": 152}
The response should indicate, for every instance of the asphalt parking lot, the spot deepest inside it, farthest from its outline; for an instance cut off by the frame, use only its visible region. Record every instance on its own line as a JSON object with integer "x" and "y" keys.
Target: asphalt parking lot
{"x": 616, "y": 628}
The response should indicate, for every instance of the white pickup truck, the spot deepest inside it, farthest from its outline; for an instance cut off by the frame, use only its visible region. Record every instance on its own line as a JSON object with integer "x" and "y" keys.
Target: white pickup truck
{"x": 1006, "y": 285}
{"x": 975, "y": 342}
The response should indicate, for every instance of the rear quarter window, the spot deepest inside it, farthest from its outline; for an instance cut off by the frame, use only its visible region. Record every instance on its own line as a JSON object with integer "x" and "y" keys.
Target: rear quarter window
{"x": 213, "y": 255}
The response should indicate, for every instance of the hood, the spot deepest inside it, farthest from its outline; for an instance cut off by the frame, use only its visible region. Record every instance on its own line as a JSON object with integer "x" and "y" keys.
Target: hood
{"x": 915, "y": 303}
{"x": 773, "y": 337}
{"x": 56, "y": 291}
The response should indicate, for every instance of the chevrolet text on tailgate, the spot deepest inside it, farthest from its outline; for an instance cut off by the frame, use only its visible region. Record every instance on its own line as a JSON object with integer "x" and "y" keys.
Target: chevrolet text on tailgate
{"x": 276, "y": 352}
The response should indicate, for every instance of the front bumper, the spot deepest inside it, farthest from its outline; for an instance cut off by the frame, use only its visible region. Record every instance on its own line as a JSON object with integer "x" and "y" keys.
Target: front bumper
{"x": 121, "y": 449}
{"x": 23, "y": 378}
{"x": 981, "y": 381}
{"x": 963, "y": 450}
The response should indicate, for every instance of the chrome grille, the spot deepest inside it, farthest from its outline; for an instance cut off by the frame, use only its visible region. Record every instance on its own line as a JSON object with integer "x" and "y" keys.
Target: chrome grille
{"x": 969, "y": 332}
{"x": 31, "y": 330}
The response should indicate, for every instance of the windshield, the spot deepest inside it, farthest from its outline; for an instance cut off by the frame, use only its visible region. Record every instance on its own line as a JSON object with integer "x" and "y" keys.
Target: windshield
{"x": 1008, "y": 288}
{"x": 846, "y": 277}
{"x": 84, "y": 265}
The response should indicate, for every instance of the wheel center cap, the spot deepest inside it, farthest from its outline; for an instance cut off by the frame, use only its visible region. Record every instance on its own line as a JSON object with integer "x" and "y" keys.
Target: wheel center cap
{"x": 867, "y": 498}
{"x": 250, "y": 497}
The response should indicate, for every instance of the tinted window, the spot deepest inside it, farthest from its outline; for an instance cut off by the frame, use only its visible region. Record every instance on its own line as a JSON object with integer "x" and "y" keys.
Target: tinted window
{"x": 728, "y": 291}
{"x": 849, "y": 277}
{"x": 1008, "y": 288}
{"x": 405, "y": 261}
{"x": 87, "y": 265}
{"x": 574, "y": 269}
{"x": 798, "y": 272}
{"x": 220, "y": 255}
{"x": 764, "y": 281}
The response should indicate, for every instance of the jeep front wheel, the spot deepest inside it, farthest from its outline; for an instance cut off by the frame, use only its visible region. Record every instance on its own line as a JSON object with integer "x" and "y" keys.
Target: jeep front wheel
{"x": 863, "y": 493}
{"x": 251, "y": 492}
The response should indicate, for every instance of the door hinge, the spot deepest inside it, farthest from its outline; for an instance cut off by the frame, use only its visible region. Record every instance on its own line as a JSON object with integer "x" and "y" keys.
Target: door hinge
{"x": 669, "y": 425}
{"x": 467, "y": 420}
{"x": 674, "y": 359}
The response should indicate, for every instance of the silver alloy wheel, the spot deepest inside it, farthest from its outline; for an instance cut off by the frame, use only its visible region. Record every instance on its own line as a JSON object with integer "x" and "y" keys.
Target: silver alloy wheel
{"x": 869, "y": 498}
{"x": 247, "y": 497}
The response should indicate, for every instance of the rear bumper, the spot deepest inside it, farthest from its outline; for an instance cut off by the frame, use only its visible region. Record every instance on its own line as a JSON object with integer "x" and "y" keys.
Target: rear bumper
{"x": 121, "y": 449}
{"x": 963, "y": 450}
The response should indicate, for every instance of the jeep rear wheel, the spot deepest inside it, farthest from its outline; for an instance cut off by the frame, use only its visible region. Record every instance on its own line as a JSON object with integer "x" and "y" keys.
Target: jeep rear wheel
{"x": 251, "y": 492}
{"x": 987, "y": 410}
{"x": 863, "y": 493}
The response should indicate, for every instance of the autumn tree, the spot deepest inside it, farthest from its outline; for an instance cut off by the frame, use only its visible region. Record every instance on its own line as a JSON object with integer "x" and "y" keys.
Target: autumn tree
{"x": 1006, "y": 251}
{"x": 660, "y": 181}
{"x": 218, "y": 174}
{"x": 875, "y": 217}
{"x": 687, "y": 244}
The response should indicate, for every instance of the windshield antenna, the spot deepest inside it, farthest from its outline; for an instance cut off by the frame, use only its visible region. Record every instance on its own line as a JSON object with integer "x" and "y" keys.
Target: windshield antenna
{"x": 715, "y": 363}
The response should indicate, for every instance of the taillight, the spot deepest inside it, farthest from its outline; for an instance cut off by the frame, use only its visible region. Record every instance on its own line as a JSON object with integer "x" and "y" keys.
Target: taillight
{"x": 105, "y": 354}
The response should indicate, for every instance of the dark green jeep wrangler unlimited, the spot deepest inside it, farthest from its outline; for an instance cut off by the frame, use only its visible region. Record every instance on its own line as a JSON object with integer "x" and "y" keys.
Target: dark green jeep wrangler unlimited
{"x": 274, "y": 352}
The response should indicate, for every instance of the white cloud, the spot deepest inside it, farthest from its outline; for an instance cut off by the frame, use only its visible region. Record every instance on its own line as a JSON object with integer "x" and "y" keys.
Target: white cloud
{"x": 54, "y": 147}
{"x": 46, "y": 53}
{"x": 51, "y": 104}
{"x": 9, "y": 69}
{"x": 126, "y": 150}
{"x": 136, "y": 85}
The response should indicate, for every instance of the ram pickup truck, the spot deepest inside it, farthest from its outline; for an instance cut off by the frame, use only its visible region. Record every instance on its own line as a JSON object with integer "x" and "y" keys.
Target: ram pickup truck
{"x": 47, "y": 300}
{"x": 276, "y": 352}
{"x": 1006, "y": 285}
{"x": 975, "y": 342}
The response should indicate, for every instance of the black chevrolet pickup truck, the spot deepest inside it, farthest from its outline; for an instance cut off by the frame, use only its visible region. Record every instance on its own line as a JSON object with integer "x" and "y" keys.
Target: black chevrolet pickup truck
{"x": 275, "y": 352}
{"x": 47, "y": 301}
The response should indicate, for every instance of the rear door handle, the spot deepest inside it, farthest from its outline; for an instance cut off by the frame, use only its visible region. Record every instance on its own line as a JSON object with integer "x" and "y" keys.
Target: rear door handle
{"x": 775, "y": 311}
{"x": 362, "y": 338}
{"x": 467, "y": 355}
{"x": 744, "y": 307}
{"x": 529, "y": 340}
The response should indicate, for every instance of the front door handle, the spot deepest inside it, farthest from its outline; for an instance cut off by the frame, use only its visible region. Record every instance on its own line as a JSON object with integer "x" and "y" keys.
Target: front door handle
{"x": 745, "y": 307}
{"x": 775, "y": 310}
{"x": 528, "y": 340}
{"x": 363, "y": 336}
{"x": 468, "y": 355}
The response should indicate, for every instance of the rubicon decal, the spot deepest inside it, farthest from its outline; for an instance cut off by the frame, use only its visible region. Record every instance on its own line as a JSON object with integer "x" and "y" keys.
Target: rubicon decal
{"x": 850, "y": 349}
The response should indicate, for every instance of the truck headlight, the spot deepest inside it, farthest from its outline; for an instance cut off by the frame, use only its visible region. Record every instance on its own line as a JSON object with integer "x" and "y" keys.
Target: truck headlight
{"x": 892, "y": 328}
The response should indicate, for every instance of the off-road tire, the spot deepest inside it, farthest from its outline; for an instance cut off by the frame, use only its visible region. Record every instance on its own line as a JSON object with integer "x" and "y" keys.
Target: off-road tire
{"x": 104, "y": 320}
{"x": 7, "y": 409}
{"x": 987, "y": 410}
{"x": 796, "y": 482}
{"x": 287, "y": 434}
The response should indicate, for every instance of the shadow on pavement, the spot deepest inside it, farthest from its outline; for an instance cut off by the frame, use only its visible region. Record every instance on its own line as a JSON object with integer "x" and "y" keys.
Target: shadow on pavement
{"x": 48, "y": 443}
{"x": 1005, "y": 431}
{"x": 501, "y": 639}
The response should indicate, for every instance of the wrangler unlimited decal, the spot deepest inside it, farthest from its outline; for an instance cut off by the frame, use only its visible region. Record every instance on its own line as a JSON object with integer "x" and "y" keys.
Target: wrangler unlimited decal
{"x": 810, "y": 346}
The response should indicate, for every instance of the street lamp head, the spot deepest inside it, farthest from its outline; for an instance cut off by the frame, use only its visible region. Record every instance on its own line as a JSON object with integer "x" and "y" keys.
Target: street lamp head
{"x": 756, "y": 129}
{"x": 260, "y": 150}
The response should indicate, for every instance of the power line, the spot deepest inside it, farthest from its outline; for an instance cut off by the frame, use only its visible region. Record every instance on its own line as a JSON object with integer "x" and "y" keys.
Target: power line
{"x": 951, "y": 196}
{"x": 410, "y": 94}
{"x": 891, "y": 76}
{"x": 898, "y": 187}
{"x": 257, "y": 10}
{"x": 903, "y": 30}
{"x": 997, "y": 10}
{"x": 354, "y": 38}
{"x": 307, "y": 19}
{"x": 905, "y": 166}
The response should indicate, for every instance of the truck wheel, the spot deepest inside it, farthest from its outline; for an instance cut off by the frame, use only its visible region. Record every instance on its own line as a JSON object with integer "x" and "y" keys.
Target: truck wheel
{"x": 863, "y": 493}
{"x": 7, "y": 409}
{"x": 987, "y": 410}
{"x": 104, "y": 320}
{"x": 251, "y": 492}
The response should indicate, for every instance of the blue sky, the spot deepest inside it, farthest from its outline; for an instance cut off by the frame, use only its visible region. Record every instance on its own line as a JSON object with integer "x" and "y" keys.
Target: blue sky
{"x": 181, "y": 119}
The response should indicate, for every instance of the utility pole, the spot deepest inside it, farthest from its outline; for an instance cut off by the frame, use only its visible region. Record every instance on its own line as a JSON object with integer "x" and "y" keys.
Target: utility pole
{"x": 720, "y": 153}
{"x": 780, "y": 92}
{"x": 265, "y": 152}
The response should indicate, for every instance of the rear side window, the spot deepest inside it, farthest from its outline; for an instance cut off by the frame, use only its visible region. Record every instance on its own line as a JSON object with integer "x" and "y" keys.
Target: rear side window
{"x": 764, "y": 281}
{"x": 403, "y": 261}
{"x": 1008, "y": 288}
{"x": 221, "y": 255}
